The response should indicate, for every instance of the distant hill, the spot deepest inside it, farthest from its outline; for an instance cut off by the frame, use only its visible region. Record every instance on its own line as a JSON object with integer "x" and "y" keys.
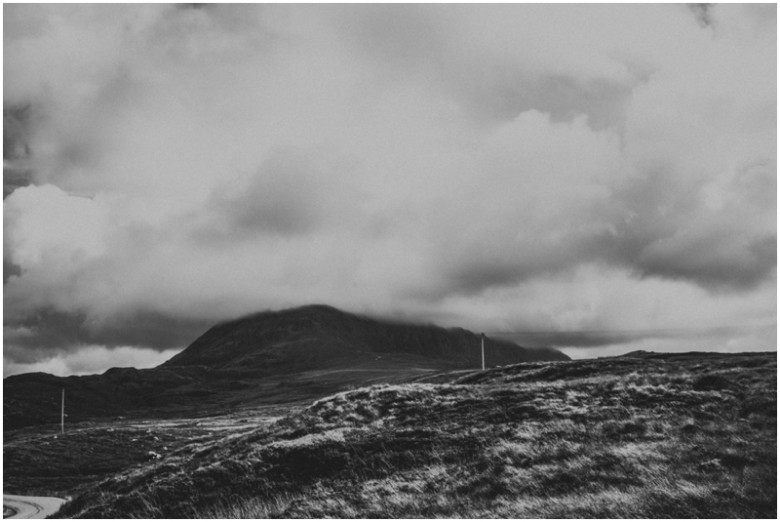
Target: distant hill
{"x": 260, "y": 360}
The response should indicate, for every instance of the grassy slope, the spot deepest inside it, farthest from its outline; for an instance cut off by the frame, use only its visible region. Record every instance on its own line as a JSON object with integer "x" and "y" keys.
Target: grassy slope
{"x": 34, "y": 399}
{"x": 38, "y": 460}
{"x": 42, "y": 461}
{"x": 626, "y": 437}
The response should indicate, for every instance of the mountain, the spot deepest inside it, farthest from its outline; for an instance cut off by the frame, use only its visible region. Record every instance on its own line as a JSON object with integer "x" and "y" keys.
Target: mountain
{"x": 264, "y": 359}
{"x": 320, "y": 336}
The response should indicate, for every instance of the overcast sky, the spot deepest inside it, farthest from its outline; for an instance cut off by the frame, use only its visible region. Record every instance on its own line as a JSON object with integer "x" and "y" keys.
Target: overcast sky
{"x": 601, "y": 178}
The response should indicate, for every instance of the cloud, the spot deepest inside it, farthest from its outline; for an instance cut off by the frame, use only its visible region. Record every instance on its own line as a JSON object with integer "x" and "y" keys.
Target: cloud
{"x": 290, "y": 194}
{"x": 16, "y": 151}
{"x": 89, "y": 360}
{"x": 719, "y": 340}
{"x": 598, "y": 298}
{"x": 535, "y": 167}
{"x": 49, "y": 330}
{"x": 681, "y": 340}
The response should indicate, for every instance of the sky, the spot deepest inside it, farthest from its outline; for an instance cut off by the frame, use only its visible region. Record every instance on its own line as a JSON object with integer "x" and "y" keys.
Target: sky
{"x": 599, "y": 178}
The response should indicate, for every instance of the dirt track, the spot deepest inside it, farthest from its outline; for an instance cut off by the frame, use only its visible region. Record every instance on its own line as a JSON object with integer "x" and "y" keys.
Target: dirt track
{"x": 31, "y": 507}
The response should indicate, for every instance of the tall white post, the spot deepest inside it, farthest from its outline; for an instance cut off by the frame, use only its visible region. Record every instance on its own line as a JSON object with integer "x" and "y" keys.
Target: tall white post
{"x": 62, "y": 413}
{"x": 483, "y": 351}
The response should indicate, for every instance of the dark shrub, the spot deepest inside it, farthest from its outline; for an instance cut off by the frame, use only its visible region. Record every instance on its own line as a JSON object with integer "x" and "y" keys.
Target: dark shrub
{"x": 711, "y": 381}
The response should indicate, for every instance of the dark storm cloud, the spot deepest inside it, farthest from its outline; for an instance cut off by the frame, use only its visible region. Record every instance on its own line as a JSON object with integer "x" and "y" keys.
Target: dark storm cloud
{"x": 579, "y": 339}
{"x": 604, "y": 338}
{"x": 9, "y": 270}
{"x": 670, "y": 229}
{"x": 52, "y": 331}
{"x": 16, "y": 147}
{"x": 586, "y": 339}
{"x": 16, "y": 132}
{"x": 470, "y": 273}
{"x": 702, "y": 13}
{"x": 14, "y": 178}
{"x": 290, "y": 194}
{"x": 752, "y": 263}
{"x": 711, "y": 262}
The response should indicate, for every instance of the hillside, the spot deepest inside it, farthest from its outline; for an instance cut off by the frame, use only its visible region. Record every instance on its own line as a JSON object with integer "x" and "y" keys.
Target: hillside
{"x": 267, "y": 358}
{"x": 680, "y": 436}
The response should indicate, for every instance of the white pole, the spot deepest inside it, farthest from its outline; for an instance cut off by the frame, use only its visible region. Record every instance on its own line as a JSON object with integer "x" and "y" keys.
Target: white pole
{"x": 62, "y": 414}
{"x": 483, "y": 351}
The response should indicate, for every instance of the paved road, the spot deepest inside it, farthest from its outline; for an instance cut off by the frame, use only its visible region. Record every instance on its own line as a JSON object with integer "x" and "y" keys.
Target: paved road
{"x": 31, "y": 507}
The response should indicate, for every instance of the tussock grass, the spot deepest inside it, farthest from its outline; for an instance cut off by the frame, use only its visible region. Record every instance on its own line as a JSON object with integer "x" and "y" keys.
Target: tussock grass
{"x": 692, "y": 436}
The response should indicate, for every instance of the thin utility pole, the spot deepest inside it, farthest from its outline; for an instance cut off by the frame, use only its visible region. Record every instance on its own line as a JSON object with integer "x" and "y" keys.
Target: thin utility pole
{"x": 483, "y": 351}
{"x": 62, "y": 415}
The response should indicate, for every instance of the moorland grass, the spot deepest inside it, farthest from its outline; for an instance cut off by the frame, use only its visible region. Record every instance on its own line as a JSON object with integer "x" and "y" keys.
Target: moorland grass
{"x": 627, "y": 437}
